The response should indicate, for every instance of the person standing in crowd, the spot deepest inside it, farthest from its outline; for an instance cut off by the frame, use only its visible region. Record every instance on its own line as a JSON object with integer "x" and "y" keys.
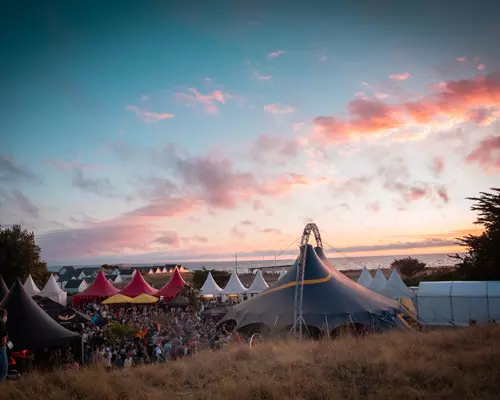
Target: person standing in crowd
{"x": 4, "y": 363}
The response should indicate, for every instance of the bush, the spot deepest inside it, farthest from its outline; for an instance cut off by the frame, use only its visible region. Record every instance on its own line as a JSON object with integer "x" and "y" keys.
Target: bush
{"x": 408, "y": 266}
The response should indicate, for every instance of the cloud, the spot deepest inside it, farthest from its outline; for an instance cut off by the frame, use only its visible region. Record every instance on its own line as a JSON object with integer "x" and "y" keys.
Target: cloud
{"x": 209, "y": 101}
{"x": 461, "y": 59}
{"x": 486, "y": 154}
{"x": 237, "y": 234}
{"x": 467, "y": 100}
{"x": 275, "y": 54}
{"x": 247, "y": 223}
{"x": 98, "y": 186}
{"x": 170, "y": 238}
{"x": 147, "y": 116}
{"x": 278, "y": 109}
{"x": 323, "y": 59}
{"x": 10, "y": 172}
{"x": 382, "y": 96}
{"x": 354, "y": 186}
{"x": 400, "y": 77}
{"x": 25, "y": 204}
{"x": 166, "y": 207}
{"x": 442, "y": 192}
{"x": 69, "y": 165}
{"x": 268, "y": 147}
{"x": 273, "y": 231}
{"x": 481, "y": 67}
{"x": 373, "y": 207}
{"x": 262, "y": 77}
{"x": 437, "y": 165}
{"x": 195, "y": 238}
{"x": 367, "y": 116}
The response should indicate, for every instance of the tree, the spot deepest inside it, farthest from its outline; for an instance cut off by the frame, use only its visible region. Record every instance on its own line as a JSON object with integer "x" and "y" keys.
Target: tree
{"x": 482, "y": 259}
{"x": 408, "y": 266}
{"x": 200, "y": 276}
{"x": 20, "y": 256}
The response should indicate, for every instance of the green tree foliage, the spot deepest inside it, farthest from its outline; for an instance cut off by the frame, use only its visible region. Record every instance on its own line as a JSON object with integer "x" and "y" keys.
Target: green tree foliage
{"x": 200, "y": 276}
{"x": 408, "y": 266}
{"x": 20, "y": 256}
{"x": 482, "y": 259}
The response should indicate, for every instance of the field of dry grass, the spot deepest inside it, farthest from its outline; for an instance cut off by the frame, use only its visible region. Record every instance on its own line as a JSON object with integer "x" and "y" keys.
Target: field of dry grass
{"x": 453, "y": 364}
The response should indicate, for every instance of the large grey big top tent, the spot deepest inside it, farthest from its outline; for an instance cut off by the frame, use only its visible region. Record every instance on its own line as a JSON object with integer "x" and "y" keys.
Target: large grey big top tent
{"x": 329, "y": 299}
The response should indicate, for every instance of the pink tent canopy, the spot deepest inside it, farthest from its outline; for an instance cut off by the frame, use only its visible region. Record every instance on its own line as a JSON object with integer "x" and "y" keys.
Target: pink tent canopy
{"x": 138, "y": 286}
{"x": 98, "y": 289}
{"x": 173, "y": 286}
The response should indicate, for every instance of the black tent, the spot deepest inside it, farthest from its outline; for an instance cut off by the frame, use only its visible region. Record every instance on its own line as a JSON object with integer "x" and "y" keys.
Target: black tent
{"x": 29, "y": 327}
{"x": 60, "y": 313}
{"x": 330, "y": 300}
{"x": 4, "y": 290}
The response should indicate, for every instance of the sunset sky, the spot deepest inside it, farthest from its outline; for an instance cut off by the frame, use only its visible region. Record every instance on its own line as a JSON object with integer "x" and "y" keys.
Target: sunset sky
{"x": 177, "y": 130}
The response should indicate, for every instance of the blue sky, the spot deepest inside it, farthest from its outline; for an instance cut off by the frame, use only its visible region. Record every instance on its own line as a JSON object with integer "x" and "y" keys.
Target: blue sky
{"x": 192, "y": 130}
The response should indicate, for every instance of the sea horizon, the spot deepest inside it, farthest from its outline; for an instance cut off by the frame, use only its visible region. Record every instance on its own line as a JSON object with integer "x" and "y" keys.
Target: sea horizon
{"x": 432, "y": 260}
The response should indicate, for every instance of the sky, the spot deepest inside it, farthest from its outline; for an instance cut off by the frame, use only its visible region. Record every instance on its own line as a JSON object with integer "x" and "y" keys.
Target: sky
{"x": 160, "y": 130}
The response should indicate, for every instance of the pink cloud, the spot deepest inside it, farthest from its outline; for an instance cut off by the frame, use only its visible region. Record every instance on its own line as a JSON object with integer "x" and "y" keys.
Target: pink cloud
{"x": 166, "y": 207}
{"x": 266, "y": 146}
{"x": 323, "y": 59}
{"x": 169, "y": 238}
{"x": 442, "y": 192}
{"x": 437, "y": 165}
{"x": 481, "y": 67}
{"x": 381, "y": 96}
{"x": 275, "y": 54}
{"x": 208, "y": 101}
{"x": 274, "y": 231}
{"x": 148, "y": 116}
{"x": 373, "y": 207}
{"x": 262, "y": 77}
{"x": 278, "y": 109}
{"x": 476, "y": 99}
{"x": 486, "y": 154}
{"x": 461, "y": 59}
{"x": 400, "y": 77}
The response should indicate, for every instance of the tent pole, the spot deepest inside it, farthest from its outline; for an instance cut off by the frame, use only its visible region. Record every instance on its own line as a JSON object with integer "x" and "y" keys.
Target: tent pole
{"x": 327, "y": 327}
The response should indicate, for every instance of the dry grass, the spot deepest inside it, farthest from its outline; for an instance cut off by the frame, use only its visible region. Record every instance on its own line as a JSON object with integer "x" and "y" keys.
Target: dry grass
{"x": 439, "y": 365}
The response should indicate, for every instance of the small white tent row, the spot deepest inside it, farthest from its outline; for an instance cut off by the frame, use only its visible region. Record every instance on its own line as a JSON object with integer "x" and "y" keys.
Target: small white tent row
{"x": 457, "y": 303}
{"x": 52, "y": 291}
{"x": 234, "y": 286}
{"x": 259, "y": 284}
{"x": 210, "y": 287}
{"x": 30, "y": 287}
{"x": 378, "y": 282}
{"x": 365, "y": 278}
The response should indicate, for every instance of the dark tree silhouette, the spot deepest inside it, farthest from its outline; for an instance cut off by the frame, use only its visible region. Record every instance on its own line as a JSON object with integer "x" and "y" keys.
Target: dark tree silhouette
{"x": 482, "y": 260}
{"x": 20, "y": 256}
{"x": 408, "y": 266}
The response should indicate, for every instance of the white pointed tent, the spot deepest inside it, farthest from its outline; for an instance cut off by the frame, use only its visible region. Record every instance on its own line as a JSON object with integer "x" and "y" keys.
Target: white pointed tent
{"x": 210, "y": 287}
{"x": 395, "y": 288}
{"x": 379, "y": 281}
{"x": 30, "y": 287}
{"x": 52, "y": 291}
{"x": 258, "y": 284}
{"x": 151, "y": 271}
{"x": 158, "y": 271}
{"x": 365, "y": 278}
{"x": 234, "y": 286}
{"x": 164, "y": 270}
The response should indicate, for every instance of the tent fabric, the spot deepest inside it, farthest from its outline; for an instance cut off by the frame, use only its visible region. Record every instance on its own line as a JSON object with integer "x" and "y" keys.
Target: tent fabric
{"x": 137, "y": 286}
{"x": 53, "y": 291}
{"x": 395, "y": 288}
{"x": 118, "y": 299}
{"x": 210, "y": 287}
{"x": 158, "y": 271}
{"x": 234, "y": 286}
{"x": 378, "y": 282}
{"x": 365, "y": 278}
{"x": 4, "y": 290}
{"x": 259, "y": 284}
{"x": 29, "y": 327}
{"x": 59, "y": 313}
{"x": 282, "y": 274}
{"x": 330, "y": 299}
{"x": 144, "y": 299}
{"x": 98, "y": 289}
{"x": 173, "y": 286}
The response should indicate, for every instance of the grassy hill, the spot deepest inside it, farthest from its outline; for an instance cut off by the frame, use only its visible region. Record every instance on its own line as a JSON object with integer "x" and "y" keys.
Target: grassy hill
{"x": 460, "y": 363}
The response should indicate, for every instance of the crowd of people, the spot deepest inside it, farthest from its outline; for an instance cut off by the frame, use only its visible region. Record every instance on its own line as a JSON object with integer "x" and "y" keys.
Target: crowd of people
{"x": 120, "y": 336}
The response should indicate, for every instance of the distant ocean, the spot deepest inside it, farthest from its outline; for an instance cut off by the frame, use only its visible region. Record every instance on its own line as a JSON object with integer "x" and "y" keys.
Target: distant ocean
{"x": 342, "y": 263}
